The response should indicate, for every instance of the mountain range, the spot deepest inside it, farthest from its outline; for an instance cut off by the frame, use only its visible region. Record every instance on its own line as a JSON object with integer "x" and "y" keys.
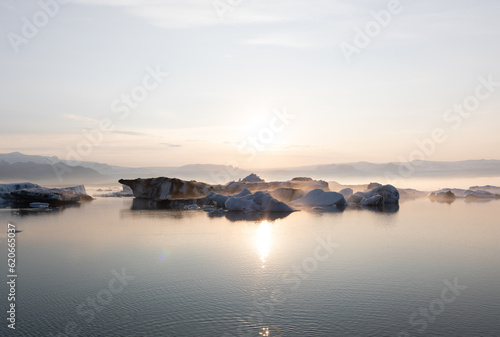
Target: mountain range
{"x": 17, "y": 167}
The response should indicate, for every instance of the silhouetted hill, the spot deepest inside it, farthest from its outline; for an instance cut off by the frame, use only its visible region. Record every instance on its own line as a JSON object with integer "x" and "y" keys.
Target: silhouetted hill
{"x": 58, "y": 173}
{"x": 16, "y": 166}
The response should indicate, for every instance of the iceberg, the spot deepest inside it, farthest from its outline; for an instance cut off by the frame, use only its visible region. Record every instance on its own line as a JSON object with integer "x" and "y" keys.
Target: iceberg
{"x": 458, "y": 192}
{"x": 302, "y": 179}
{"x": 480, "y": 194}
{"x": 221, "y": 199}
{"x": 53, "y": 196}
{"x": 346, "y": 192}
{"x": 379, "y": 196}
{"x": 125, "y": 192}
{"x": 318, "y": 197}
{"x": 24, "y": 194}
{"x": 411, "y": 193}
{"x": 244, "y": 201}
{"x": 487, "y": 188}
{"x": 164, "y": 188}
{"x": 7, "y": 188}
{"x": 256, "y": 202}
{"x": 442, "y": 196}
{"x": 371, "y": 186}
{"x": 356, "y": 198}
{"x": 287, "y": 194}
{"x": 252, "y": 178}
{"x": 472, "y": 194}
{"x": 376, "y": 200}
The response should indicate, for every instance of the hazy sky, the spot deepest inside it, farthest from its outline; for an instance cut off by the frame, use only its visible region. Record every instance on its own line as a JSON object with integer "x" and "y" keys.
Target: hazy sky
{"x": 357, "y": 89}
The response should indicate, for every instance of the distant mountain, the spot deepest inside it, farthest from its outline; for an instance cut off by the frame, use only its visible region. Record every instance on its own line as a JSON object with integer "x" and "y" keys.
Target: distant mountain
{"x": 40, "y": 169}
{"x": 18, "y": 166}
{"x": 56, "y": 174}
{"x": 18, "y": 157}
{"x": 415, "y": 169}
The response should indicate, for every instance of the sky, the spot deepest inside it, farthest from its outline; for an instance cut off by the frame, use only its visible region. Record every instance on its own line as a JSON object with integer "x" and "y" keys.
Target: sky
{"x": 254, "y": 84}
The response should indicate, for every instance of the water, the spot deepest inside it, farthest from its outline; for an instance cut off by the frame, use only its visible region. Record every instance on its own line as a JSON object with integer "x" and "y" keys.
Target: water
{"x": 355, "y": 273}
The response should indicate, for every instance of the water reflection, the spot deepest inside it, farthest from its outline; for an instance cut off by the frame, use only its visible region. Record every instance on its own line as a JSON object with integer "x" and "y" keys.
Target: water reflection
{"x": 150, "y": 205}
{"x": 254, "y": 216}
{"x": 320, "y": 210}
{"x": 467, "y": 200}
{"x": 156, "y": 213}
{"x": 193, "y": 271}
{"x": 443, "y": 201}
{"x": 263, "y": 240}
{"x": 158, "y": 206}
{"x": 41, "y": 211}
{"x": 323, "y": 209}
{"x": 479, "y": 200}
{"x": 264, "y": 332}
{"x": 377, "y": 209}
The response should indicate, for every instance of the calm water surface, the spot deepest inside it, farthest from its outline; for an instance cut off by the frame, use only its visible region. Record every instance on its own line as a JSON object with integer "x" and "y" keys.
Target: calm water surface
{"x": 183, "y": 273}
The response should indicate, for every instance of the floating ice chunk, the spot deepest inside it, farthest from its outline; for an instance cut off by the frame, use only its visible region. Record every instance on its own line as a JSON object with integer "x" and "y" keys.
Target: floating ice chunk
{"x": 257, "y": 202}
{"x": 243, "y": 193}
{"x": 346, "y": 192}
{"x": 388, "y": 192}
{"x": 442, "y": 196}
{"x": 488, "y": 188}
{"x": 287, "y": 194}
{"x": 218, "y": 198}
{"x": 356, "y": 198}
{"x": 252, "y": 178}
{"x": 480, "y": 194}
{"x": 125, "y": 192}
{"x": 382, "y": 195}
{"x": 22, "y": 194}
{"x": 6, "y": 188}
{"x": 318, "y": 197}
{"x": 375, "y": 200}
{"x": 371, "y": 186}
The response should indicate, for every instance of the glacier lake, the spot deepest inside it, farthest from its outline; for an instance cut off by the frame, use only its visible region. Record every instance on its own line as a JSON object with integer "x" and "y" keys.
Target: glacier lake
{"x": 103, "y": 268}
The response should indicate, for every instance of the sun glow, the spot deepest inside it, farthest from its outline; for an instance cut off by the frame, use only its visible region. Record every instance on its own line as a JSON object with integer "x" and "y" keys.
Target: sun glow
{"x": 263, "y": 240}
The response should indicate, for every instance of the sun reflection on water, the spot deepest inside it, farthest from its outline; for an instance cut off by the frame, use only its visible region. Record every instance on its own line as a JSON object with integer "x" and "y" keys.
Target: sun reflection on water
{"x": 264, "y": 332}
{"x": 263, "y": 240}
